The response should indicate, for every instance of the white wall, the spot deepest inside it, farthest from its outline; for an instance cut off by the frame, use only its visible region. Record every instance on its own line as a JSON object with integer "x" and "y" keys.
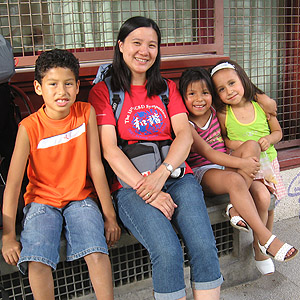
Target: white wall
{"x": 290, "y": 206}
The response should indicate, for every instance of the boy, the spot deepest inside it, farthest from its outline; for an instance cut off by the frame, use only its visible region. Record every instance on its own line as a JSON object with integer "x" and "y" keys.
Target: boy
{"x": 61, "y": 143}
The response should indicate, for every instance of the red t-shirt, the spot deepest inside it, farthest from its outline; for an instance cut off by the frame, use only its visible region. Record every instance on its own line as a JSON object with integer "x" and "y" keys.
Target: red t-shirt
{"x": 141, "y": 118}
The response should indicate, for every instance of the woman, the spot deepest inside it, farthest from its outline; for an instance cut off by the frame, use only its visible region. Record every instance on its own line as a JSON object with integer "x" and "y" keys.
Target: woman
{"x": 149, "y": 206}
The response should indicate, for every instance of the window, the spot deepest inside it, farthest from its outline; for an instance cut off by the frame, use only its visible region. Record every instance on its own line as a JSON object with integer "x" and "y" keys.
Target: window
{"x": 89, "y": 28}
{"x": 263, "y": 37}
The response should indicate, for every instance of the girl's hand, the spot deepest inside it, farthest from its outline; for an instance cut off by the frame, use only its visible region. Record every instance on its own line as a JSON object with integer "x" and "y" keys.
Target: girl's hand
{"x": 112, "y": 231}
{"x": 150, "y": 186}
{"x": 165, "y": 204}
{"x": 11, "y": 250}
{"x": 264, "y": 143}
{"x": 250, "y": 166}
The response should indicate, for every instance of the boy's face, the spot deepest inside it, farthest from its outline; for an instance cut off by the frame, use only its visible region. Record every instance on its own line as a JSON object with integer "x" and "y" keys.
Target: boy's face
{"x": 198, "y": 98}
{"x": 58, "y": 89}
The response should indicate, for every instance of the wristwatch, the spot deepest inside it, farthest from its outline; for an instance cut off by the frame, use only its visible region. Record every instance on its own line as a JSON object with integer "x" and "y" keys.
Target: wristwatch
{"x": 169, "y": 167}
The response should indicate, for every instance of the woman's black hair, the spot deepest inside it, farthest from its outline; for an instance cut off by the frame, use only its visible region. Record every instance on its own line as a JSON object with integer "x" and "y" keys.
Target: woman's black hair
{"x": 121, "y": 75}
{"x": 193, "y": 75}
{"x": 56, "y": 58}
{"x": 250, "y": 89}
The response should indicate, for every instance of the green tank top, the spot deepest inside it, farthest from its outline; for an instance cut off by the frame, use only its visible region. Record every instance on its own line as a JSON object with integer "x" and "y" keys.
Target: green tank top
{"x": 258, "y": 128}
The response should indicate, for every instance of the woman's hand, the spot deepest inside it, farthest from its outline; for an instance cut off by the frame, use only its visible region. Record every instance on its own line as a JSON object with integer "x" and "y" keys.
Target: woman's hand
{"x": 11, "y": 250}
{"x": 250, "y": 166}
{"x": 165, "y": 204}
{"x": 112, "y": 231}
{"x": 150, "y": 186}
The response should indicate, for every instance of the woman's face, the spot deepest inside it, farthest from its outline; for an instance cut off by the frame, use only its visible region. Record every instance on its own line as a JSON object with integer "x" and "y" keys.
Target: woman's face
{"x": 140, "y": 50}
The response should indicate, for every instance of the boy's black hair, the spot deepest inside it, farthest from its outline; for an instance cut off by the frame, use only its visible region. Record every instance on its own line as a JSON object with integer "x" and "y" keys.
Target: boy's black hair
{"x": 56, "y": 58}
{"x": 250, "y": 89}
{"x": 121, "y": 75}
{"x": 192, "y": 75}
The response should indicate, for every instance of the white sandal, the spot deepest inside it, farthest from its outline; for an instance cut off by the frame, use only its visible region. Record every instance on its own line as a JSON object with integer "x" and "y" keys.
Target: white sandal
{"x": 281, "y": 253}
{"x": 265, "y": 267}
{"x": 235, "y": 219}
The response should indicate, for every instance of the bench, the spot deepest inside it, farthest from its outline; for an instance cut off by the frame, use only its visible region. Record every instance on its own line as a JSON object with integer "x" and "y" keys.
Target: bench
{"x": 131, "y": 264}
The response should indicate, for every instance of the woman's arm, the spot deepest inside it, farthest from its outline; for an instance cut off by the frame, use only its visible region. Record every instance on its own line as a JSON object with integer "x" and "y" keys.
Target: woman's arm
{"x": 118, "y": 161}
{"x": 97, "y": 173}
{"x": 124, "y": 169}
{"x": 10, "y": 247}
{"x": 181, "y": 146}
{"x": 178, "y": 152}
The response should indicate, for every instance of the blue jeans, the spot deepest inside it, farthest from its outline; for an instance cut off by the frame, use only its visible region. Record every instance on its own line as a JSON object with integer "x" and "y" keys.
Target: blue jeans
{"x": 156, "y": 233}
{"x": 43, "y": 225}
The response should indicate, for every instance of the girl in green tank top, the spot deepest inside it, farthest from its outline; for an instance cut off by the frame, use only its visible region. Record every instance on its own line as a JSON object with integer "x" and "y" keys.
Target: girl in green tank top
{"x": 241, "y": 119}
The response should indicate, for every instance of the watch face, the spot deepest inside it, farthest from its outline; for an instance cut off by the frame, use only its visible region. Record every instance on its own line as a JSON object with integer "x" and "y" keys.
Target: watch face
{"x": 169, "y": 167}
{"x": 176, "y": 173}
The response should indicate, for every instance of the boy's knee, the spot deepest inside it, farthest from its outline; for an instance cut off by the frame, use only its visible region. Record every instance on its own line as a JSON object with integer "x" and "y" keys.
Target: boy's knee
{"x": 96, "y": 258}
{"x": 38, "y": 267}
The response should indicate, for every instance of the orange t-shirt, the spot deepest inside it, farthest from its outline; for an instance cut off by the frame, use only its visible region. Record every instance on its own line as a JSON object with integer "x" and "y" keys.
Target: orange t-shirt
{"x": 57, "y": 168}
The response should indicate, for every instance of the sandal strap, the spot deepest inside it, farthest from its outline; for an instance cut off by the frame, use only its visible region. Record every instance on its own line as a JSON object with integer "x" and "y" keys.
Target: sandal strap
{"x": 236, "y": 219}
{"x": 228, "y": 207}
{"x": 282, "y": 252}
{"x": 269, "y": 242}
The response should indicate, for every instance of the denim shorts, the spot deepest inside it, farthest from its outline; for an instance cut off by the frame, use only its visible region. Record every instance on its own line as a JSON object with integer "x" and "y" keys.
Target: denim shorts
{"x": 81, "y": 223}
{"x": 200, "y": 171}
{"x": 158, "y": 236}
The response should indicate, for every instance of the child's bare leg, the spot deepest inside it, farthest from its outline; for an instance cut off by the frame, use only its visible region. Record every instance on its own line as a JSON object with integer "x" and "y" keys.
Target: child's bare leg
{"x": 212, "y": 294}
{"x": 216, "y": 182}
{"x": 41, "y": 281}
{"x": 219, "y": 182}
{"x": 101, "y": 276}
{"x": 270, "y": 220}
{"x": 247, "y": 149}
{"x": 261, "y": 197}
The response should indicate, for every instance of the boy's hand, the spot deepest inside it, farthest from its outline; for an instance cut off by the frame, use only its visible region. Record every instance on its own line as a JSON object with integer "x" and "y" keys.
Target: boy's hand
{"x": 112, "y": 231}
{"x": 165, "y": 204}
{"x": 11, "y": 250}
{"x": 264, "y": 143}
{"x": 250, "y": 166}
